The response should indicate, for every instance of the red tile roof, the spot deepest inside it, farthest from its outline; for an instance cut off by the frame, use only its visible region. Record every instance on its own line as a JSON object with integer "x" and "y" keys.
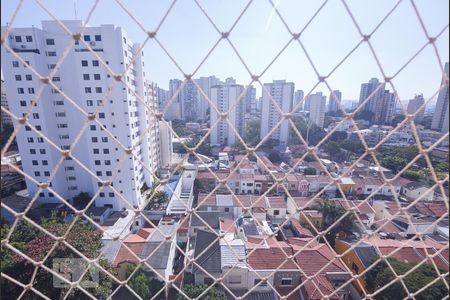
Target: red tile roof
{"x": 270, "y": 259}
{"x": 276, "y": 202}
{"x": 436, "y": 209}
{"x": 318, "y": 287}
{"x": 125, "y": 255}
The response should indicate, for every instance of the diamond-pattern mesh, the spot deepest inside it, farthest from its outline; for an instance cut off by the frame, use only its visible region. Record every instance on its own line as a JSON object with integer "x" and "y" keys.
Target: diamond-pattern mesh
{"x": 225, "y": 35}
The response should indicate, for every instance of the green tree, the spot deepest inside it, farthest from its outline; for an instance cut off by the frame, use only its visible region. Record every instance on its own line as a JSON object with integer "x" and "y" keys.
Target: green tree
{"x": 331, "y": 213}
{"x": 412, "y": 175}
{"x": 315, "y": 134}
{"x": 251, "y": 133}
{"x": 381, "y": 274}
{"x": 332, "y": 148}
{"x": 81, "y": 200}
{"x": 139, "y": 281}
{"x": 274, "y": 157}
{"x": 193, "y": 291}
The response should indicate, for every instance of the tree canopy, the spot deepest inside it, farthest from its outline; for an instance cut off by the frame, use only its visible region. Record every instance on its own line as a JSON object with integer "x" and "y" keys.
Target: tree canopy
{"x": 381, "y": 274}
{"x": 193, "y": 291}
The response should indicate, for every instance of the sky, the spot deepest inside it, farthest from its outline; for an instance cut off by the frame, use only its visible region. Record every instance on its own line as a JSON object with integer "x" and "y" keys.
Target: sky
{"x": 260, "y": 35}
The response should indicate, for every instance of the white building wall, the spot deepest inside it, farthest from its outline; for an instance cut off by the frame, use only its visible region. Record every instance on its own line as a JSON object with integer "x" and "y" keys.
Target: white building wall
{"x": 61, "y": 121}
{"x": 282, "y": 93}
{"x": 440, "y": 117}
{"x": 317, "y": 109}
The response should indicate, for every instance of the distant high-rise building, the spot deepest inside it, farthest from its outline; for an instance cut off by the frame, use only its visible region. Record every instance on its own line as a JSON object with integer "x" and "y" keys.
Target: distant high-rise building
{"x": 84, "y": 80}
{"x": 440, "y": 117}
{"x": 381, "y": 102}
{"x": 190, "y": 102}
{"x": 225, "y": 97}
{"x": 414, "y": 105}
{"x": 250, "y": 100}
{"x": 332, "y": 104}
{"x": 205, "y": 84}
{"x": 282, "y": 93}
{"x": 174, "y": 108}
{"x": 317, "y": 109}
{"x": 307, "y": 103}
{"x": 6, "y": 119}
{"x": 163, "y": 98}
{"x": 298, "y": 97}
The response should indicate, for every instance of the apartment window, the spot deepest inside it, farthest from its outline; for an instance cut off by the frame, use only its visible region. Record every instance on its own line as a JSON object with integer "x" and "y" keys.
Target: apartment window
{"x": 20, "y": 91}
{"x": 51, "y": 53}
{"x": 98, "y": 173}
{"x": 89, "y": 102}
{"x": 96, "y": 151}
{"x": 37, "y": 173}
{"x": 35, "y": 116}
{"x": 28, "y": 77}
{"x": 87, "y": 38}
{"x": 60, "y": 114}
{"x": 84, "y": 63}
{"x": 104, "y": 139}
{"x": 71, "y": 178}
{"x": 38, "y": 127}
{"x": 59, "y": 102}
{"x": 64, "y": 137}
{"x": 51, "y": 66}
{"x": 95, "y": 63}
{"x": 124, "y": 40}
{"x": 40, "y": 140}
{"x": 101, "y": 194}
{"x": 15, "y": 64}
{"x": 99, "y": 102}
{"x": 276, "y": 212}
{"x": 93, "y": 127}
{"x": 94, "y": 139}
{"x": 69, "y": 168}
{"x": 105, "y": 151}
{"x": 42, "y": 151}
{"x": 286, "y": 281}
{"x": 27, "y": 128}
{"x": 111, "y": 195}
{"x": 56, "y": 78}
{"x": 98, "y": 38}
{"x": 34, "y": 162}
{"x": 23, "y": 103}
{"x": 98, "y": 90}
{"x": 258, "y": 281}
{"x": 107, "y": 162}
{"x": 86, "y": 76}
{"x": 41, "y": 195}
{"x": 87, "y": 90}
{"x": 108, "y": 173}
{"x": 97, "y": 162}
{"x": 101, "y": 115}
{"x": 51, "y": 195}
{"x": 72, "y": 188}
{"x": 46, "y": 173}
{"x": 18, "y": 77}
{"x": 96, "y": 76}
{"x": 30, "y": 140}
{"x": 18, "y": 39}
{"x": 50, "y": 42}
{"x": 45, "y": 163}
{"x": 62, "y": 125}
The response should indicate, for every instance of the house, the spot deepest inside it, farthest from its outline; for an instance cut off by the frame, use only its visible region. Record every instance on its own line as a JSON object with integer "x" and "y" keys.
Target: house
{"x": 276, "y": 207}
{"x": 98, "y": 214}
{"x": 155, "y": 257}
{"x": 347, "y": 185}
{"x": 363, "y": 210}
{"x": 206, "y": 220}
{"x": 310, "y": 218}
{"x": 294, "y": 204}
{"x": 363, "y": 253}
{"x": 207, "y": 255}
{"x": 233, "y": 264}
{"x": 415, "y": 190}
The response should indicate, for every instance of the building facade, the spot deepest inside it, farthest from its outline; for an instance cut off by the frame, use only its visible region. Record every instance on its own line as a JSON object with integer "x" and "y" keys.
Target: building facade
{"x": 440, "y": 117}
{"x": 381, "y": 103}
{"x": 83, "y": 79}
{"x": 6, "y": 119}
{"x": 317, "y": 109}
{"x": 332, "y": 104}
{"x": 414, "y": 106}
{"x": 227, "y": 97}
{"x": 282, "y": 93}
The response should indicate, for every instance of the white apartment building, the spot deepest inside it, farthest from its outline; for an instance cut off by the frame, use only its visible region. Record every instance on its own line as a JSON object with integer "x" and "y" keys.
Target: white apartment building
{"x": 414, "y": 105}
{"x": 282, "y": 93}
{"x": 225, "y": 97}
{"x": 6, "y": 119}
{"x": 317, "y": 104}
{"x": 173, "y": 111}
{"x": 81, "y": 77}
{"x": 440, "y": 117}
{"x": 205, "y": 84}
{"x": 332, "y": 104}
{"x": 381, "y": 103}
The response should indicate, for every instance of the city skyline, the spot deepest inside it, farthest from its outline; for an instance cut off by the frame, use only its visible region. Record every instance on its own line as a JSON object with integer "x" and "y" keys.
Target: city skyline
{"x": 256, "y": 29}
